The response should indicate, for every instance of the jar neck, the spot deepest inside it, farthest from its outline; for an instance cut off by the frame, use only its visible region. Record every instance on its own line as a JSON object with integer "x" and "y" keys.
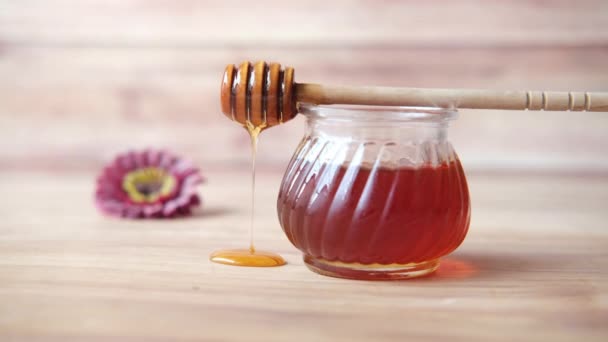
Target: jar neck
{"x": 400, "y": 132}
{"x": 398, "y": 124}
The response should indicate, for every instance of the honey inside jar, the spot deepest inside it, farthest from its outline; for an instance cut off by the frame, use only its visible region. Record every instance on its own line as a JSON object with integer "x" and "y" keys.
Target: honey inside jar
{"x": 376, "y": 216}
{"x": 375, "y": 200}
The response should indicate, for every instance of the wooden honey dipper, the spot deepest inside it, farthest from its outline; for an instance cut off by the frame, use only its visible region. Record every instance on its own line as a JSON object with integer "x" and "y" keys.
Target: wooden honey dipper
{"x": 265, "y": 95}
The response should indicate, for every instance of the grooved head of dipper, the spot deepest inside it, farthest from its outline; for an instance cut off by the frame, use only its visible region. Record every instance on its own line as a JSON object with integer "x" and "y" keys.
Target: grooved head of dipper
{"x": 261, "y": 94}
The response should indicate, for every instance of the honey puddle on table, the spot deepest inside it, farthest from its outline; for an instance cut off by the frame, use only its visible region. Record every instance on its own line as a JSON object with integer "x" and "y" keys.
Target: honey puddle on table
{"x": 250, "y": 256}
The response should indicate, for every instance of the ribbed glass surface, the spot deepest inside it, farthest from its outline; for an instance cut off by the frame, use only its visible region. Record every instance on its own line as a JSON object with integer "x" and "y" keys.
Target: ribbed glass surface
{"x": 371, "y": 200}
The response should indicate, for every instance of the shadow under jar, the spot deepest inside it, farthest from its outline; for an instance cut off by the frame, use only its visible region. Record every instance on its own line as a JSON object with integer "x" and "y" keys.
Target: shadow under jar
{"x": 374, "y": 192}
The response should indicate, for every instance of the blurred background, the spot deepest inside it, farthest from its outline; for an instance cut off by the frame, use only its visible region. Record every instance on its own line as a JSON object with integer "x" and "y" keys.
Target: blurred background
{"x": 83, "y": 80}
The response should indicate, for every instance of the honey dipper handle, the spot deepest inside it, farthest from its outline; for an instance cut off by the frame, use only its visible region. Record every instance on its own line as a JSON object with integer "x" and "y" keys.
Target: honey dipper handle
{"x": 453, "y": 98}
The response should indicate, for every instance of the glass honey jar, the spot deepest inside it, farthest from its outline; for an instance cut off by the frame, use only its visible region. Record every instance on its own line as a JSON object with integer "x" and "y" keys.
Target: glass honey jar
{"x": 374, "y": 192}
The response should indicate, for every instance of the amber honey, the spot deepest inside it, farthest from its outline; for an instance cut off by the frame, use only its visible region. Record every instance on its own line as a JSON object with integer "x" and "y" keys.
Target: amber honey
{"x": 249, "y": 256}
{"x": 355, "y": 221}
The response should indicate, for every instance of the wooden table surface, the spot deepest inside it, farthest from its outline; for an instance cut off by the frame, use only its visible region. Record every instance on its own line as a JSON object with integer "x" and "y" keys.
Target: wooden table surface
{"x": 533, "y": 267}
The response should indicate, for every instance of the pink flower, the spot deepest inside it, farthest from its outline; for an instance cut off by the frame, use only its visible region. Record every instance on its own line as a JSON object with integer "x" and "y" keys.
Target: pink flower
{"x": 149, "y": 183}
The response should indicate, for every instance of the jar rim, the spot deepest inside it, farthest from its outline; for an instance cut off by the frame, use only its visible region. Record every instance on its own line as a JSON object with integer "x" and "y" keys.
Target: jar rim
{"x": 370, "y": 113}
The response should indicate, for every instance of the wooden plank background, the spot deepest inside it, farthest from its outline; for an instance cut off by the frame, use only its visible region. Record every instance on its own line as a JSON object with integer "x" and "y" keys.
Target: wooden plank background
{"x": 82, "y": 80}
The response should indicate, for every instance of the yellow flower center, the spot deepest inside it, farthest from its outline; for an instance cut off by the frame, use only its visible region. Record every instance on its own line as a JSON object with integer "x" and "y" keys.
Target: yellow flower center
{"x": 148, "y": 185}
